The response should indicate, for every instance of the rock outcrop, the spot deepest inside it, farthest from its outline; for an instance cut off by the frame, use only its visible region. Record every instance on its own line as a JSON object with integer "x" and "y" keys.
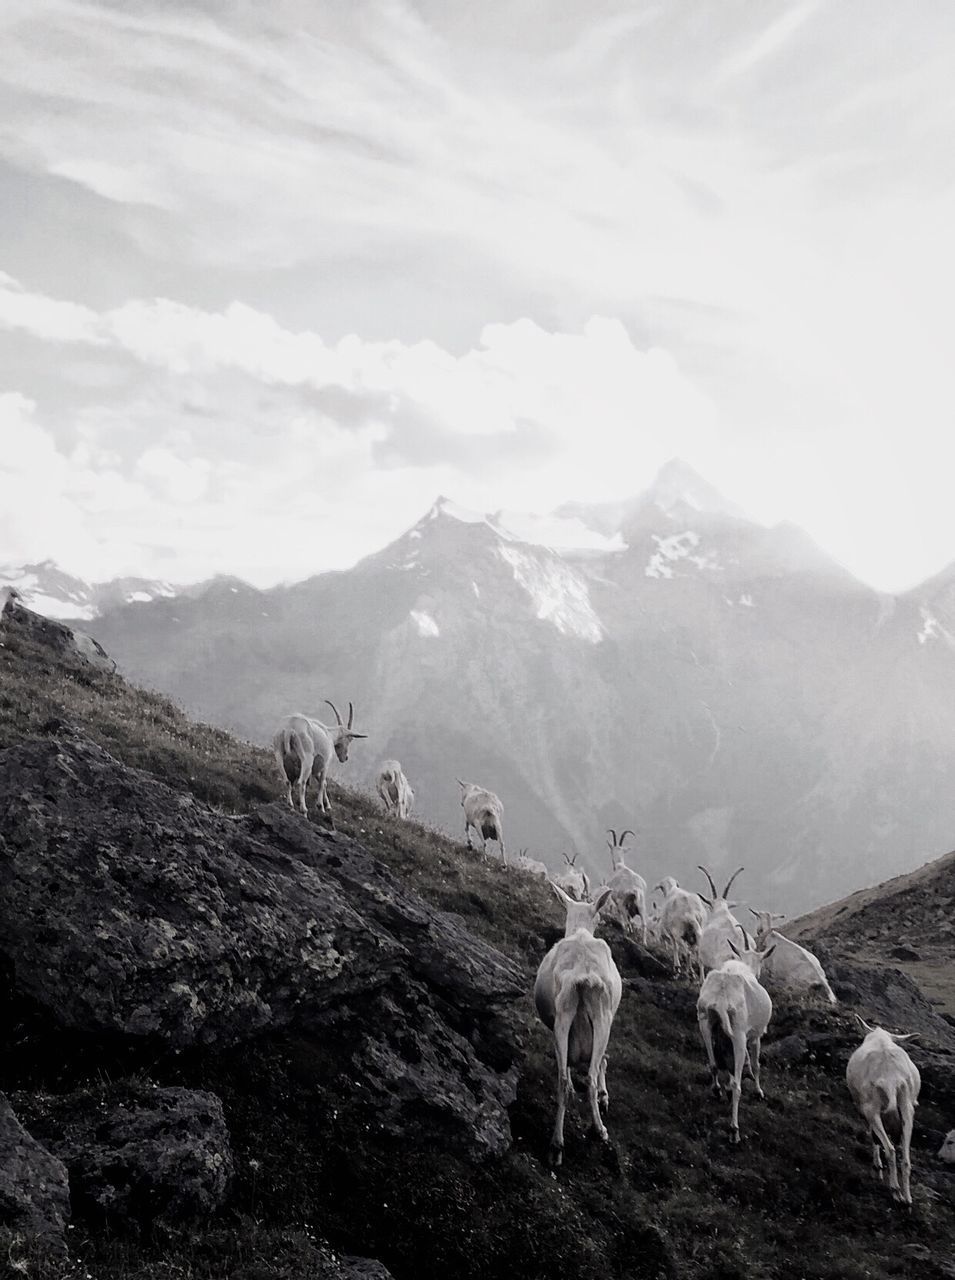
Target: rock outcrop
{"x": 34, "y": 1190}
{"x": 137, "y": 1153}
{"x": 57, "y": 635}
{"x": 127, "y": 908}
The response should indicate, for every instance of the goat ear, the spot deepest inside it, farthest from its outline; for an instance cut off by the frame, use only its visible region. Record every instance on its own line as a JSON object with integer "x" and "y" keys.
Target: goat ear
{"x": 564, "y": 898}
{"x": 601, "y": 899}
{"x": 767, "y": 953}
{"x": 779, "y": 915}
{"x": 862, "y": 1023}
{"x": 912, "y": 1035}
{"x": 355, "y": 735}
{"x": 752, "y": 912}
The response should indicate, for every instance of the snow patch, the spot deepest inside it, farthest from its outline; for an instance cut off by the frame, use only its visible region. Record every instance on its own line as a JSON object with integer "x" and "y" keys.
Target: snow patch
{"x": 678, "y": 546}
{"x": 560, "y": 533}
{"x": 932, "y": 629}
{"x": 415, "y": 533}
{"x": 50, "y": 607}
{"x": 747, "y": 600}
{"x": 559, "y": 595}
{"x": 476, "y": 589}
{"x": 425, "y": 623}
{"x": 140, "y": 597}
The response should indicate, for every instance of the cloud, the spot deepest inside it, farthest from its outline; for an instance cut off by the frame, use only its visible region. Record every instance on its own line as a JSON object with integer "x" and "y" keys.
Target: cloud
{"x": 239, "y": 424}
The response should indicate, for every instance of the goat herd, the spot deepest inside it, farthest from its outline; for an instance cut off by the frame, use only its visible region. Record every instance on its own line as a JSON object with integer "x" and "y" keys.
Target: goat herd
{"x": 578, "y": 987}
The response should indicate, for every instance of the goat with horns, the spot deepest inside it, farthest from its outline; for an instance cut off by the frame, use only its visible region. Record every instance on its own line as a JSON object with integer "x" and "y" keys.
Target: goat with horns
{"x": 303, "y": 749}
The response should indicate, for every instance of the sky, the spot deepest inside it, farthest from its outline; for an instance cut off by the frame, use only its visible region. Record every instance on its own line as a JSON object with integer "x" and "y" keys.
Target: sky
{"x": 274, "y": 276}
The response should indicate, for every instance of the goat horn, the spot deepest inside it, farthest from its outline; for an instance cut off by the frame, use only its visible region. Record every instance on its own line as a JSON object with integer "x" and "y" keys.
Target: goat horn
{"x": 335, "y": 709}
{"x": 710, "y": 878}
{"x": 624, "y": 834}
{"x": 614, "y": 834}
{"x": 730, "y": 881}
{"x": 351, "y": 715}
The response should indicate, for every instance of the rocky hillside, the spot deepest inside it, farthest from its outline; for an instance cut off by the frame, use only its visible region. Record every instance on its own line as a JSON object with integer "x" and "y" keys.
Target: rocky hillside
{"x": 234, "y": 1044}
{"x": 725, "y": 689}
{"x": 908, "y": 921}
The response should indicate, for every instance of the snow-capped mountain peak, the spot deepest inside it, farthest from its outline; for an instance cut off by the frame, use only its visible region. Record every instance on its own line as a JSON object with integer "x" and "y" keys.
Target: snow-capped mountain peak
{"x": 48, "y": 589}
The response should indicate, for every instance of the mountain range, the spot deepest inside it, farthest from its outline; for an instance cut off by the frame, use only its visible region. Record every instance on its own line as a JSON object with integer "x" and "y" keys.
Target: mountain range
{"x": 725, "y": 689}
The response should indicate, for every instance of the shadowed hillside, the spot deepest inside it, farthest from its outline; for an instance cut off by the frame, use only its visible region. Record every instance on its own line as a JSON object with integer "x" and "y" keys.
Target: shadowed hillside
{"x": 298, "y": 1112}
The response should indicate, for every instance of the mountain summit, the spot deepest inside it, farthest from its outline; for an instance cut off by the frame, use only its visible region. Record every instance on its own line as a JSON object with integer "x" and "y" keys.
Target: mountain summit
{"x": 677, "y": 491}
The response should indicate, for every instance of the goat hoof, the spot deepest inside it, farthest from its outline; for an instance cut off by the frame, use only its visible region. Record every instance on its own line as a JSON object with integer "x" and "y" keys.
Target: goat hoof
{"x": 734, "y": 1137}
{"x": 556, "y": 1156}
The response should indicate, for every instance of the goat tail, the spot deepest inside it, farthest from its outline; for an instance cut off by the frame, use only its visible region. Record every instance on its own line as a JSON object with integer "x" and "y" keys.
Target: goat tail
{"x": 721, "y": 1013}
{"x": 692, "y": 934}
{"x": 291, "y": 752}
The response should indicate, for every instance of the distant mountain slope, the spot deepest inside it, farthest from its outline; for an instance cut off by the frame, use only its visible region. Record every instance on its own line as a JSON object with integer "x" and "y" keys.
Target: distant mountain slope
{"x": 47, "y": 589}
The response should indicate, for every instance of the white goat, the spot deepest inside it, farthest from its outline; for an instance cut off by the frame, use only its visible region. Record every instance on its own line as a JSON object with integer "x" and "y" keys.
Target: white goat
{"x": 682, "y": 920}
{"x": 395, "y": 789}
{"x": 531, "y": 866}
{"x": 576, "y": 994}
{"x": 946, "y": 1151}
{"x": 791, "y": 966}
{"x": 721, "y": 925}
{"x": 574, "y": 883}
{"x": 884, "y": 1083}
{"x": 733, "y": 1012}
{"x": 628, "y": 887}
{"x": 303, "y": 749}
{"x": 484, "y": 812}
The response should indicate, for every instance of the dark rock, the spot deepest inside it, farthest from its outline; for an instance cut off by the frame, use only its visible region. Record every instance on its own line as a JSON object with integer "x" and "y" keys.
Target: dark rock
{"x": 904, "y": 953}
{"x": 126, "y": 907}
{"x": 136, "y": 1153}
{"x": 789, "y": 1051}
{"x": 441, "y": 950}
{"x": 363, "y": 1269}
{"x": 34, "y": 1189}
{"x": 415, "y": 1073}
{"x": 634, "y": 957}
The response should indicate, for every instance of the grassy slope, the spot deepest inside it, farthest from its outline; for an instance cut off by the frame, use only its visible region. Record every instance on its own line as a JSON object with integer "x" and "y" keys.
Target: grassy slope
{"x": 795, "y": 1200}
